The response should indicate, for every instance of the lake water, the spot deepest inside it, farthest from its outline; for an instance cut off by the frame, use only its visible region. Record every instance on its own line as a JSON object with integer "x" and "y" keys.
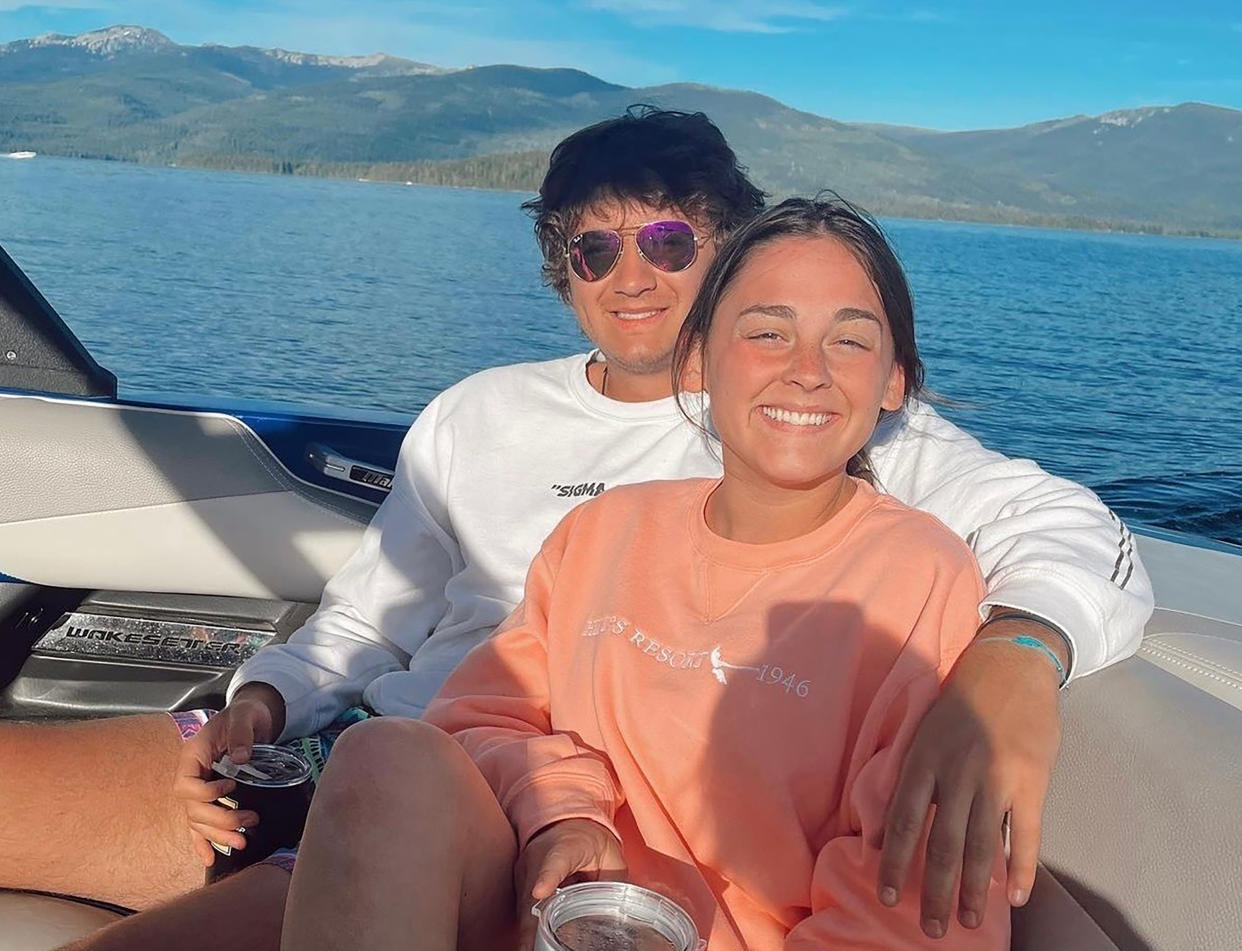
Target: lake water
{"x": 1111, "y": 359}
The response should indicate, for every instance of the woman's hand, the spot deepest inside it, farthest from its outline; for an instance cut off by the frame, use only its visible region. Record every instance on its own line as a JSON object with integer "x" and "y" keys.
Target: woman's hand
{"x": 256, "y": 715}
{"x": 577, "y": 849}
{"x": 985, "y": 748}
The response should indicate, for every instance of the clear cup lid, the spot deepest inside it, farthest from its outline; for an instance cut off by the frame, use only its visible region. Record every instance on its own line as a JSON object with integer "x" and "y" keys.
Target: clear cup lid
{"x": 614, "y": 916}
{"x": 269, "y": 766}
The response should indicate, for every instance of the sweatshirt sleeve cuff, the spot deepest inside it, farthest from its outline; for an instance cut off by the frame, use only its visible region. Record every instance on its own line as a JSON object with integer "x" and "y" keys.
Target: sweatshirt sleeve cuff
{"x": 299, "y": 712}
{"x": 553, "y": 798}
{"x": 1063, "y": 605}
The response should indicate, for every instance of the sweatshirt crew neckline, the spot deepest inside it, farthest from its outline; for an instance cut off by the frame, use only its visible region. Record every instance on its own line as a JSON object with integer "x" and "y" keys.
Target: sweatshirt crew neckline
{"x": 747, "y": 555}
{"x": 594, "y": 402}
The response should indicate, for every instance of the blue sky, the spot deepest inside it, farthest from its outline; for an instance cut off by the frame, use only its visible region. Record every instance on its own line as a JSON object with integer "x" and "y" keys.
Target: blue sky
{"x": 948, "y": 65}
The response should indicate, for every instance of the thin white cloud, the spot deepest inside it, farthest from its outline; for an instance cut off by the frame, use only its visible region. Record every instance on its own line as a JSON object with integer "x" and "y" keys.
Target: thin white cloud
{"x": 15, "y": 6}
{"x": 724, "y": 16}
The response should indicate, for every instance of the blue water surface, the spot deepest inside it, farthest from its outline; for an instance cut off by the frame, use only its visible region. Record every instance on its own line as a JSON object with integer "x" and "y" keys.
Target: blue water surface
{"x": 1111, "y": 359}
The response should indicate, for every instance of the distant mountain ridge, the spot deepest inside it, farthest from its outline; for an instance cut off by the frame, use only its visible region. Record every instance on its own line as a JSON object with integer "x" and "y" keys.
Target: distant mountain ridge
{"x": 131, "y": 93}
{"x": 105, "y": 42}
{"x": 1170, "y": 152}
{"x": 102, "y": 48}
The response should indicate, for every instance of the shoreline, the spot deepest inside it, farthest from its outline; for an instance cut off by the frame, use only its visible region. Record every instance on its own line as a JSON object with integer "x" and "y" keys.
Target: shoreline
{"x": 524, "y": 169}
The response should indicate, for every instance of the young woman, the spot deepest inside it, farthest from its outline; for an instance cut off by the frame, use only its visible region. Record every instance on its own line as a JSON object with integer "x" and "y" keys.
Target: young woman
{"x": 710, "y": 684}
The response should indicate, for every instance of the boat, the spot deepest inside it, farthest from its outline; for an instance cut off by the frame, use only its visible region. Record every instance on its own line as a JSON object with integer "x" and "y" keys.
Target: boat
{"x": 21, "y": 155}
{"x": 149, "y": 545}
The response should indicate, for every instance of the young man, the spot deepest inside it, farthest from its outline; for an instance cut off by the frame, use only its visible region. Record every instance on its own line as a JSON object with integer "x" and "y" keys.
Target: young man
{"x": 629, "y": 215}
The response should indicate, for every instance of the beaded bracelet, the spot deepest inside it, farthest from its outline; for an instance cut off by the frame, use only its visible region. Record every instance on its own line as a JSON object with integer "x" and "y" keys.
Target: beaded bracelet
{"x": 1032, "y": 643}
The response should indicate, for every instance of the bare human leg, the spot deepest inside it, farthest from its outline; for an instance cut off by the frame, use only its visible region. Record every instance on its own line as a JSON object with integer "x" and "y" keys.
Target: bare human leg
{"x": 405, "y": 847}
{"x": 241, "y": 913}
{"x": 88, "y": 810}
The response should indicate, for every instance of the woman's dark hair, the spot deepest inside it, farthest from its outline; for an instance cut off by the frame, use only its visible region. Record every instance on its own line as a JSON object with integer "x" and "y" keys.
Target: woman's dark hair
{"x": 656, "y": 157}
{"x": 826, "y": 215}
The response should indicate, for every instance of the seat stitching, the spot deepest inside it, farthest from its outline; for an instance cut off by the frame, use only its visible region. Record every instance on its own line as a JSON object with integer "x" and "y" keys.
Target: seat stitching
{"x": 245, "y": 437}
{"x": 1191, "y": 655}
{"x": 284, "y": 482}
{"x": 1198, "y": 670}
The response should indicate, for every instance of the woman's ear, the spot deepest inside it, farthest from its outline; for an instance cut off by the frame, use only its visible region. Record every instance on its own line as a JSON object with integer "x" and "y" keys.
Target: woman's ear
{"x": 895, "y": 392}
{"x": 692, "y": 375}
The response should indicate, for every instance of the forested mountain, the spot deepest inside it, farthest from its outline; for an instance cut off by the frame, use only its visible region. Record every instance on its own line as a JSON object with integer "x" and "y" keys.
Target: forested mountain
{"x": 130, "y": 93}
{"x": 1167, "y": 162}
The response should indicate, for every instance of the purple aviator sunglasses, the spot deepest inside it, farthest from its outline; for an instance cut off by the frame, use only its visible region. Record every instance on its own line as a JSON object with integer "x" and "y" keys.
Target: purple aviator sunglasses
{"x": 668, "y": 245}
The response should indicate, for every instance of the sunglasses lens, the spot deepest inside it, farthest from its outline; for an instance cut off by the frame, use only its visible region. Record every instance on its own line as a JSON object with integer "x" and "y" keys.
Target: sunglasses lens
{"x": 668, "y": 245}
{"x": 593, "y": 253}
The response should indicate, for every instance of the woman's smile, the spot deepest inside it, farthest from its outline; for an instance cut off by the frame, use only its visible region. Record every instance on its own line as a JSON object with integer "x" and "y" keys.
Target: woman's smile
{"x": 796, "y": 419}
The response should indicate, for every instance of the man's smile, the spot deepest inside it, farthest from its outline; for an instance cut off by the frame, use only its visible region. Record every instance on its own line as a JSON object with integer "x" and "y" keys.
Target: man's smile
{"x": 647, "y": 313}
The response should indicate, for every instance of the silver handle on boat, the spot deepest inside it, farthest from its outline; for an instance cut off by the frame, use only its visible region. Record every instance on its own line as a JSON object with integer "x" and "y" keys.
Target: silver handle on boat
{"x": 331, "y": 463}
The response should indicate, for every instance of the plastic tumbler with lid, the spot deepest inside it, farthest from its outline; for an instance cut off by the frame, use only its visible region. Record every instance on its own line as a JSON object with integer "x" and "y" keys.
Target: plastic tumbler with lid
{"x": 613, "y": 916}
{"x": 276, "y": 784}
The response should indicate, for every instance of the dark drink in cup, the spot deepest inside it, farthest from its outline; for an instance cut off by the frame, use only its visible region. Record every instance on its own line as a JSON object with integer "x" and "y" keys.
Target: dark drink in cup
{"x": 276, "y": 784}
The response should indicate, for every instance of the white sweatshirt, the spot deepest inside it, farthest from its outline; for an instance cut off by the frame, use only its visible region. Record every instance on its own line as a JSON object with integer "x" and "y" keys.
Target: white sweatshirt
{"x": 492, "y": 465}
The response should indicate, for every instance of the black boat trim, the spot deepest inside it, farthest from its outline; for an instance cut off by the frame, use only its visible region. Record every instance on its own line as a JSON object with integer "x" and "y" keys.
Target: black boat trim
{"x": 38, "y": 351}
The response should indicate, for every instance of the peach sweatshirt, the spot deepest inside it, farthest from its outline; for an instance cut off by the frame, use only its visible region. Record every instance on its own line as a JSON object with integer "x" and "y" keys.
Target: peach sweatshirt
{"x": 735, "y": 713}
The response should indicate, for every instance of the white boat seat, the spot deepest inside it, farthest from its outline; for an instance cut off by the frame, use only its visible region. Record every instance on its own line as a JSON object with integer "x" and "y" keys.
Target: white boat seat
{"x": 41, "y": 922}
{"x": 241, "y": 526}
{"x": 1143, "y": 825}
{"x": 1053, "y": 921}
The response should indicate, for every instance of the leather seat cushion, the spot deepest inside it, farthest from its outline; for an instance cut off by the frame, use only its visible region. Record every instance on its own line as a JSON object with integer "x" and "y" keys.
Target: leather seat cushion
{"x": 1053, "y": 921}
{"x": 41, "y": 922}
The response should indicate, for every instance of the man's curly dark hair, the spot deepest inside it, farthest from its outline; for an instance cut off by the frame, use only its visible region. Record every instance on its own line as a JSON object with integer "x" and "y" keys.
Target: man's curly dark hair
{"x": 660, "y": 158}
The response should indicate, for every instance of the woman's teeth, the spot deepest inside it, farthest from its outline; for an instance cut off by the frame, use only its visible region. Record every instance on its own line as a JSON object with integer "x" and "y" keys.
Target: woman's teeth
{"x": 796, "y": 419}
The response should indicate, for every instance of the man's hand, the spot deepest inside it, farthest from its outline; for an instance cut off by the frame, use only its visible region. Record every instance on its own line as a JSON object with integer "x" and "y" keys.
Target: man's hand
{"x": 573, "y": 848}
{"x": 256, "y": 715}
{"x": 986, "y": 747}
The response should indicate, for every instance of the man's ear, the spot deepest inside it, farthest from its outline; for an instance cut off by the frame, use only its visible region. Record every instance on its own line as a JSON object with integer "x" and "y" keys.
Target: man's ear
{"x": 895, "y": 392}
